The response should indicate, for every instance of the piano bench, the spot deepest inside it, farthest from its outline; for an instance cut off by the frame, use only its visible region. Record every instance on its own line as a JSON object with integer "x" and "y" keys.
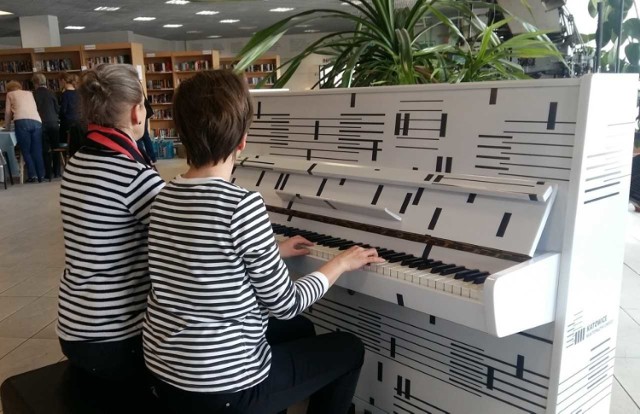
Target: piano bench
{"x": 60, "y": 389}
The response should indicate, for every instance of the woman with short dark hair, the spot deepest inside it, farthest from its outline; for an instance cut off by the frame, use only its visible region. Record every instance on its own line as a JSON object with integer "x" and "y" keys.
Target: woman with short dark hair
{"x": 107, "y": 189}
{"x": 217, "y": 274}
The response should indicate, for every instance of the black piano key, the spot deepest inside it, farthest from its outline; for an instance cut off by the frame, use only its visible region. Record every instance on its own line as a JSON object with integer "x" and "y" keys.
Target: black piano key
{"x": 330, "y": 242}
{"x": 452, "y": 270}
{"x": 398, "y": 257}
{"x": 480, "y": 279}
{"x": 347, "y": 245}
{"x": 473, "y": 276}
{"x": 409, "y": 262}
{"x": 417, "y": 264}
{"x": 462, "y": 274}
{"x": 337, "y": 243}
{"x": 318, "y": 238}
{"x": 430, "y": 264}
{"x": 440, "y": 268}
{"x": 387, "y": 254}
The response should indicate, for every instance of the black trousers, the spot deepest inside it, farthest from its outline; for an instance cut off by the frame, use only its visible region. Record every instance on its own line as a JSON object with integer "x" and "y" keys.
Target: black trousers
{"x": 50, "y": 140}
{"x": 325, "y": 368}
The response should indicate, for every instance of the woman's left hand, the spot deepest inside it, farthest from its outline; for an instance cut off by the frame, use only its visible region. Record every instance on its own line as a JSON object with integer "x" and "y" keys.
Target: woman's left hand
{"x": 295, "y": 246}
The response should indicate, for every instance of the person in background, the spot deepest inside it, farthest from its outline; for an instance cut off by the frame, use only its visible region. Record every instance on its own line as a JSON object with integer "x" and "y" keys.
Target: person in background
{"x": 48, "y": 108}
{"x": 144, "y": 143}
{"x": 70, "y": 128}
{"x": 106, "y": 192}
{"x": 22, "y": 110}
{"x": 217, "y": 275}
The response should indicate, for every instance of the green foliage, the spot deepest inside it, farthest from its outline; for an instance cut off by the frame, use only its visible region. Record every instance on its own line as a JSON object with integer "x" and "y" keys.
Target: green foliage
{"x": 629, "y": 39}
{"x": 386, "y": 45}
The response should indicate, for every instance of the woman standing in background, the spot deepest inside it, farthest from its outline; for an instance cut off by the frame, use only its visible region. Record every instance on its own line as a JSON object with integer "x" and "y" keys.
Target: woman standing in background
{"x": 22, "y": 110}
{"x": 70, "y": 129}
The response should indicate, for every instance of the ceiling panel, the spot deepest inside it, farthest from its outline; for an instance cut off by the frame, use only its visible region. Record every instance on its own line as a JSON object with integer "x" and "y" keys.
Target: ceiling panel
{"x": 252, "y": 15}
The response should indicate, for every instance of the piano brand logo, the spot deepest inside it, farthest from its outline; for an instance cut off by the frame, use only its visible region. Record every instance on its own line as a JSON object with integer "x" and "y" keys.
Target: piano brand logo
{"x": 591, "y": 329}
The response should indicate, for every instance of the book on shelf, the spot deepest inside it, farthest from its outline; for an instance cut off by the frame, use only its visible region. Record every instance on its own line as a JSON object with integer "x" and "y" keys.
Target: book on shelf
{"x": 162, "y": 114}
{"x": 159, "y": 84}
{"x": 15, "y": 66}
{"x": 54, "y": 65}
{"x": 98, "y": 60}
{"x": 158, "y": 98}
{"x": 164, "y": 132}
{"x": 192, "y": 65}
{"x": 158, "y": 67}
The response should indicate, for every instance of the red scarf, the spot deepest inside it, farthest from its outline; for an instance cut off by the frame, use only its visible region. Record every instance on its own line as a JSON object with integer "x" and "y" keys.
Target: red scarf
{"x": 118, "y": 141}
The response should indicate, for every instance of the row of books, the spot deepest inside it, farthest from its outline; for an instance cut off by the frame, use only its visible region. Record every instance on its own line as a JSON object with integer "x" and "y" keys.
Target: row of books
{"x": 158, "y": 67}
{"x": 159, "y": 84}
{"x": 14, "y": 66}
{"x": 164, "y": 132}
{"x": 98, "y": 60}
{"x": 165, "y": 114}
{"x": 192, "y": 65}
{"x": 160, "y": 98}
{"x": 254, "y": 80}
{"x": 259, "y": 67}
{"x": 54, "y": 65}
{"x": 26, "y": 85}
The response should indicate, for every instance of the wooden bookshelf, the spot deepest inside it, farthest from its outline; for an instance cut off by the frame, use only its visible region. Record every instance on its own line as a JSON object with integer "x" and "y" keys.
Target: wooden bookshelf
{"x": 164, "y": 71}
{"x": 257, "y": 71}
{"x": 15, "y": 64}
{"x": 54, "y": 61}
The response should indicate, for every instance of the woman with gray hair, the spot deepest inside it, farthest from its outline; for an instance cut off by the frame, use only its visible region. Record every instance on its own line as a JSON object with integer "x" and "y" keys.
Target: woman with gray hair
{"x": 107, "y": 189}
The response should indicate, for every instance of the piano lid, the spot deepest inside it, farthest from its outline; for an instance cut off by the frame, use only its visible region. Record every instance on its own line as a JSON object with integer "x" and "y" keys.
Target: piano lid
{"x": 497, "y": 213}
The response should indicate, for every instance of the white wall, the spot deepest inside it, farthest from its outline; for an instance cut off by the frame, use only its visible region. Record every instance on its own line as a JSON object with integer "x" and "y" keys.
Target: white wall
{"x": 81, "y": 38}
{"x": 152, "y": 44}
{"x": 10, "y": 42}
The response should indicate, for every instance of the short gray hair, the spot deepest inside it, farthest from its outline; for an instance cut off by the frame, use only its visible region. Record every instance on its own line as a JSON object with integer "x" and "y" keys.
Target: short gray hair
{"x": 107, "y": 92}
{"x": 39, "y": 80}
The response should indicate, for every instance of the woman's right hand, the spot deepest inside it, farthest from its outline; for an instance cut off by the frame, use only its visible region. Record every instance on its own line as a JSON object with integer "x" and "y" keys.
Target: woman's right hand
{"x": 351, "y": 259}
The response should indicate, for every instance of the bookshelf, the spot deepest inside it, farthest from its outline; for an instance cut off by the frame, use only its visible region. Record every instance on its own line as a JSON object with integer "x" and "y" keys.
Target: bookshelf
{"x": 164, "y": 71}
{"x": 257, "y": 71}
{"x": 53, "y": 61}
{"x": 15, "y": 64}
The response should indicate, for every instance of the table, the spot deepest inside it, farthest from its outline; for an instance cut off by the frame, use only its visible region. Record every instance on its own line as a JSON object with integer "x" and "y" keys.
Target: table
{"x": 7, "y": 144}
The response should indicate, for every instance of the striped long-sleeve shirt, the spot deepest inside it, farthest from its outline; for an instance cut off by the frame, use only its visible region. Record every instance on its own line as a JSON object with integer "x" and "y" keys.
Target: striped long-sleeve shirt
{"x": 216, "y": 275}
{"x": 105, "y": 199}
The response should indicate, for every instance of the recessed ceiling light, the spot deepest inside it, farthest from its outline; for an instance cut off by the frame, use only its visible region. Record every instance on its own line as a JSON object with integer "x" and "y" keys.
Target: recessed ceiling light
{"x": 193, "y": 31}
{"x": 105, "y": 8}
{"x": 229, "y": 21}
{"x": 214, "y": 36}
{"x": 4, "y": 13}
{"x": 144, "y": 19}
{"x": 281, "y": 9}
{"x": 172, "y": 26}
{"x": 207, "y": 12}
{"x": 74, "y": 27}
{"x": 180, "y": 2}
{"x": 302, "y": 25}
{"x": 247, "y": 27}
{"x": 311, "y": 31}
{"x": 354, "y": 2}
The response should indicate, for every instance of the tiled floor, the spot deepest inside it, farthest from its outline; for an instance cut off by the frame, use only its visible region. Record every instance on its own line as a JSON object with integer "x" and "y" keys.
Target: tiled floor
{"x": 31, "y": 260}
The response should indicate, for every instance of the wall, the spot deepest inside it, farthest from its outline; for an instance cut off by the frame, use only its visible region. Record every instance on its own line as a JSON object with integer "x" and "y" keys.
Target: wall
{"x": 70, "y": 39}
{"x": 152, "y": 44}
{"x": 10, "y": 42}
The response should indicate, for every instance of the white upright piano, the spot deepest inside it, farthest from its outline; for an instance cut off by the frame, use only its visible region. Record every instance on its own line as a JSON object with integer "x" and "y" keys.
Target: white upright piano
{"x": 500, "y": 207}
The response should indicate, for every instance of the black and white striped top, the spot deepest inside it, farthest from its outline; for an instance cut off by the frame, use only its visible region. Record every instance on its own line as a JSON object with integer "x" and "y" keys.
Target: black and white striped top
{"x": 105, "y": 199}
{"x": 216, "y": 276}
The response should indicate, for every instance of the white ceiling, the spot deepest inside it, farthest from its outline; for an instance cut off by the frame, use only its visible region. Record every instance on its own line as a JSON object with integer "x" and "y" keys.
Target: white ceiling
{"x": 252, "y": 15}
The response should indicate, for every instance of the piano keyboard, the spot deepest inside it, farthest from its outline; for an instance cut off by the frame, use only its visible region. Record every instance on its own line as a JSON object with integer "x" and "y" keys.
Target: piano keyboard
{"x": 427, "y": 273}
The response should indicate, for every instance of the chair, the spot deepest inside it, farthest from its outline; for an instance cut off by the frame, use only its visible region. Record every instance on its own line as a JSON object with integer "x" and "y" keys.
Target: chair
{"x": 63, "y": 151}
{"x": 21, "y": 166}
{"x": 6, "y": 170}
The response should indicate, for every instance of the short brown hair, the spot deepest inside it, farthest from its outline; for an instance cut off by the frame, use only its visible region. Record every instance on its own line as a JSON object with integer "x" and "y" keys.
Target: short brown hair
{"x": 13, "y": 86}
{"x": 38, "y": 79}
{"x": 107, "y": 91}
{"x": 69, "y": 78}
{"x": 212, "y": 112}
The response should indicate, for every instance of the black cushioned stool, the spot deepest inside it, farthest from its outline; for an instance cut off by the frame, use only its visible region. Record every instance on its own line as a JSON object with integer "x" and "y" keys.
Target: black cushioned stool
{"x": 62, "y": 389}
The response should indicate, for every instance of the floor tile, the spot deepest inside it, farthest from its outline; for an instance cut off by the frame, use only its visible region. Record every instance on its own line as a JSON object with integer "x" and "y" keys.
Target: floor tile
{"x": 627, "y": 372}
{"x": 11, "y": 305}
{"x": 33, "y": 286}
{"x": 628, "y": 342}
{"x": 630, "y": 294}
{"x": 9, "y": 344}
{"x": 32, "y": 354}
{"x": 30, "y": 319}
{"x": 621, "y": 402}
{"x": 48, "y": 332}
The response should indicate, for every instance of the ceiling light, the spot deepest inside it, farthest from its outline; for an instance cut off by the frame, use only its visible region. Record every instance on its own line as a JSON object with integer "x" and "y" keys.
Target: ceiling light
{"x": 172, "y": 26}
{"x": 208, "y": 12}
{"x": 311, "y": 31}
{"x": 180, "y": 2}
{"x": 74, "y": 27}
{"x": 193, "y": 31}
{"x": 354, "y": 2}
{"x": 4, "y": 13}
{"x": 214, "y": 37}
{"x": 247, "y": 27}
{"x": 281, "y": 9}
{"x": 144, "y": 19}
{"x": 105, "y": 8}
{"x": 302, "y": 25}
{"x": 229, "y": 21}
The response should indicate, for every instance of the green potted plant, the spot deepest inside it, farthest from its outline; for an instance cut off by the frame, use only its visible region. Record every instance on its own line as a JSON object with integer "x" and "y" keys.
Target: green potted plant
{"x": 387, "y": 45}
